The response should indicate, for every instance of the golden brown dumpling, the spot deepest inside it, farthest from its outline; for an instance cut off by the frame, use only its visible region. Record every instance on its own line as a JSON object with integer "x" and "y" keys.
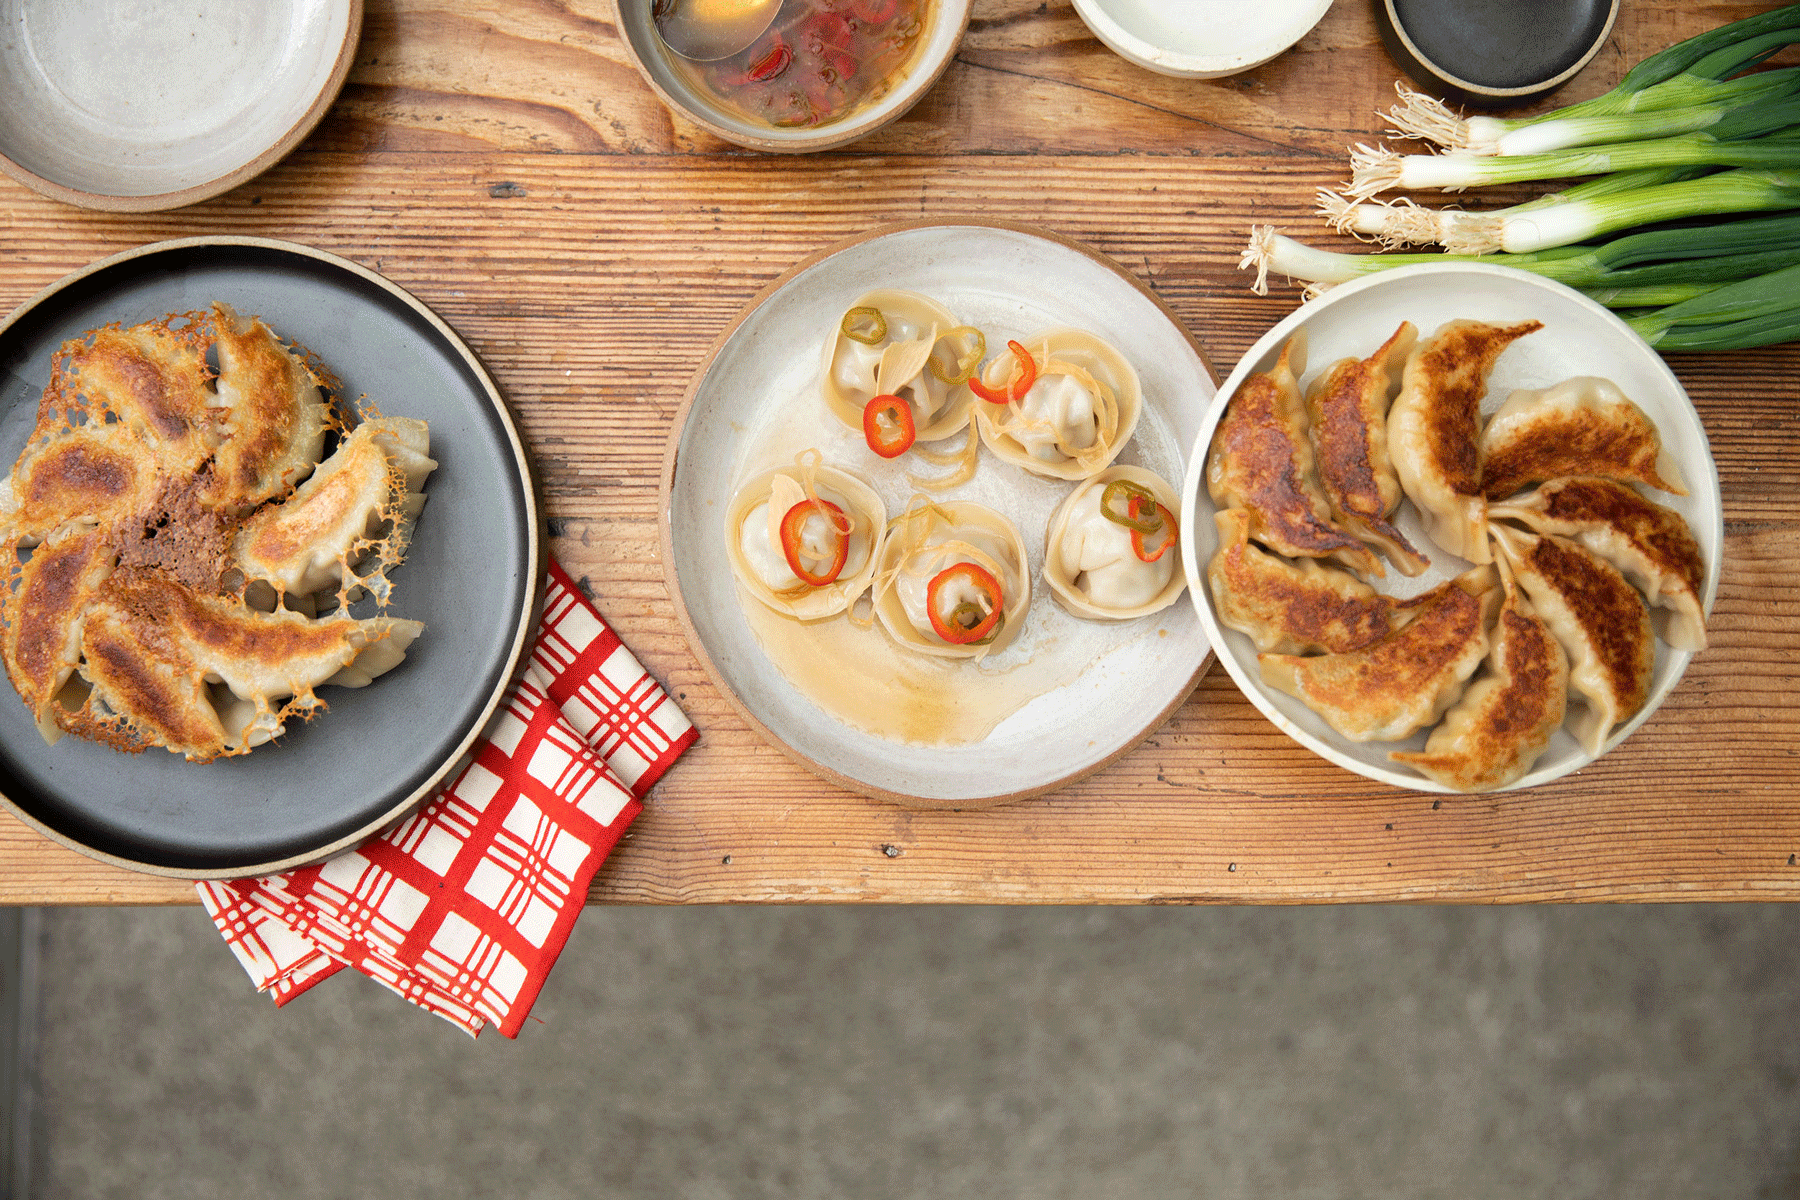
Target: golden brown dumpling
{"x": 1432, "y": 430}
{"x": 1492, "y": 736}
{"x": 1581, "y": 426}
{"x": 1348, "y": 409}
{"x": 1298, "y": 607}
{"x": 1650, "y": 545}
{"x": 1261, "y": 460}
{"x": 1600, "y": 620}
{"x": 1397, "y": 686}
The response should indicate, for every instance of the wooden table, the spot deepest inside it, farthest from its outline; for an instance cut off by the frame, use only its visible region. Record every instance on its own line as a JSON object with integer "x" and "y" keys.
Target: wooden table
{"x": 504, "y": 162}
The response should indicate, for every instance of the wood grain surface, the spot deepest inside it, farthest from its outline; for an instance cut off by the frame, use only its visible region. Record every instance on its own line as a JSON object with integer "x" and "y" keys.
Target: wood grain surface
{"x": 504, "y": 162}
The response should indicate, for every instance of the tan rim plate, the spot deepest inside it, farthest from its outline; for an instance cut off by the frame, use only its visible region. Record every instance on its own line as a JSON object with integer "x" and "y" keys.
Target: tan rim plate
{"x": 153, "y": 105}
{"x": 758, "y": 391}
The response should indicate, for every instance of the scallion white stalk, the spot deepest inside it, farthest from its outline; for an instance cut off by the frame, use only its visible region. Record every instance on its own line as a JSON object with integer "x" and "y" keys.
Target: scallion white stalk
{"x": 1376, "y": 169}
{"x": 1522, "y": 231}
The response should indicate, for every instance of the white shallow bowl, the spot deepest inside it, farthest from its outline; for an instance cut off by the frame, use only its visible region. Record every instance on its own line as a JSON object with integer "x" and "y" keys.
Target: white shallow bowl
{"x": 1579, "y": 338}
{"x": 135, "y": 107}
{"x": 1120, "y": 680}
{"x": 1200, "y": 39}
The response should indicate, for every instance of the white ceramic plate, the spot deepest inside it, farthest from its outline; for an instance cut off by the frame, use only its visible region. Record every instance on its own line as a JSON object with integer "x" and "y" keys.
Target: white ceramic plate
{"x": 1579, "y": 338}
{"x": 760, "y": 384}
{"x": 154, "y": 104}
{"x": 1200, "y": 39}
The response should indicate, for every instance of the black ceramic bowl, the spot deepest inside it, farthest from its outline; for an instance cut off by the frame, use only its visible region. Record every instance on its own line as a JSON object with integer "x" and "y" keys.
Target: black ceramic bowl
{"x": 1493, "y": 53}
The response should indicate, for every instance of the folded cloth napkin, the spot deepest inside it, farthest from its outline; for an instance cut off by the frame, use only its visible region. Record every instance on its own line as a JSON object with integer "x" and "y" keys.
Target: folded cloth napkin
{"x": 463, "y": 907}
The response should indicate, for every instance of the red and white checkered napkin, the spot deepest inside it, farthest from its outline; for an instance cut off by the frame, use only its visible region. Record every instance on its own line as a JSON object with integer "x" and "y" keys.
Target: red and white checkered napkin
{"x": 463, "y": 907}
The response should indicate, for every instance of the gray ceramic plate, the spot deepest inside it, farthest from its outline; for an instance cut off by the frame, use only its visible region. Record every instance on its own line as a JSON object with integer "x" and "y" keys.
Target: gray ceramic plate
{"x": 472, "y": 576}
{"x": 1096, "y": 689}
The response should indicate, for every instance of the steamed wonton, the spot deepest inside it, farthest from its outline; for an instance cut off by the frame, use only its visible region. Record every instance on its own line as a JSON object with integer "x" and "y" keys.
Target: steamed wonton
{"x": 1093, "y": 564}
{"x": 929, "y": 540}
{"x": 895, "y": 343}
{"x": 1076, "y": 416}
{"x": 754, "y": 545}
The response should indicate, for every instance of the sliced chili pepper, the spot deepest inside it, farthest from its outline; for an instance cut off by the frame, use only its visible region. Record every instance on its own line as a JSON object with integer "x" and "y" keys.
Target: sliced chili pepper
{"x": 793, "y": 530}
{"x": 864, "y": 324}
{"x": 1016, "y": 386}
{"x": 965, "y": 366}
{"x": 771, "y": 64}
{"x": 967, "y": 623}
{"x": 1120, "y": 504}
{"x": 888, "y": 426}
{"x": 1163, "y": 532}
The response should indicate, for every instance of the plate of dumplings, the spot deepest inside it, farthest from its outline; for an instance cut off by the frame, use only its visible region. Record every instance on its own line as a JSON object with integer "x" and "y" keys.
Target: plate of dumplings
{"x": 1454, "y": 528}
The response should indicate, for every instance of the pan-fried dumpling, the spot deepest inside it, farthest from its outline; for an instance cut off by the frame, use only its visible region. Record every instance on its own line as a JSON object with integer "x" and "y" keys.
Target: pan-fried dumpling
{"x": 1298, "y": 607}
{"x": 90, "y": 475}
{"x": 151, "y": 378}
{"x": 359, "y": 503}
{"x": 1262, "y": 460}
{"x": 1581, "y": 426}
{"x": 1600, "y": 620}
{"x": 1348, "y": 407}
{"x": 760, "y": 557}
{"x": 895, "y": 343}
{"x": 1103, "y": 568}
{"x": 1078, "y": 413}
{"x": 940, "y": 567}
{"x": 151, "y": 648}
{"x": 1432, "y": 430}
{"x": 274, "y": 417}
{"x": 1491, "y": 737}
{"x": 1649, "y": 544}
{"x": 1389, "y": 690}
{"x": 44, "y": 611}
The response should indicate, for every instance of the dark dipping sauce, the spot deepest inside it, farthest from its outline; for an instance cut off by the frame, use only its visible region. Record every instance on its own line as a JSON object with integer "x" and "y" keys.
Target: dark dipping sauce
{"x": 821, "y": 61}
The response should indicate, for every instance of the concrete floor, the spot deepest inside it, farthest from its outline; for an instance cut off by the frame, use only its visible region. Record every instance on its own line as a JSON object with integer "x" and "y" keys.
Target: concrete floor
{"x": 870, "y": 1053}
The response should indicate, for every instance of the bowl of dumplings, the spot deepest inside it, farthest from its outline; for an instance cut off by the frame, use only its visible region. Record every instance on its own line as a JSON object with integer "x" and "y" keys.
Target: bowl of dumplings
{"x": 1454, "y": 528}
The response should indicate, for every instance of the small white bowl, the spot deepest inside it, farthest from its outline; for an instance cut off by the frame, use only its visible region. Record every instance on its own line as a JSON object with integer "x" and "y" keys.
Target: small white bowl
{"x": 949, "y": 21}
{"x": 1579, "y": 338}
{"x": 1200, "y": 39}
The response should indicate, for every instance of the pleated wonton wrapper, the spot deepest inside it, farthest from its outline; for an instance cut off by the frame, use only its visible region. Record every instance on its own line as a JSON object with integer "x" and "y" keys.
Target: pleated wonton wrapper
{"x": 1432, "y": 430}
{"x": 1651, "y": 546}
{"x": 1493, "y": 735}
{"x": 1077, "y": 415}
{"x": 1399, "y": 685}
{"x": 1091, "y": 563}
{"x": 931, "y": 538}
{"x": 1348, "y": 408}
{"x": 1581, "y": 426}
{"x": 1600, "y": 620}
{"x": 753, "y": 540}
{"x": 1298, "y": 607}
{"x": 1261, "y": 460}
{"x": 895, "y": 343}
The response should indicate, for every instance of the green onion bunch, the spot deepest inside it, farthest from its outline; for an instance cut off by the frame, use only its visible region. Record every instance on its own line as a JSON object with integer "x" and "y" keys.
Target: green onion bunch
{"x": 1677, "y": 158}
